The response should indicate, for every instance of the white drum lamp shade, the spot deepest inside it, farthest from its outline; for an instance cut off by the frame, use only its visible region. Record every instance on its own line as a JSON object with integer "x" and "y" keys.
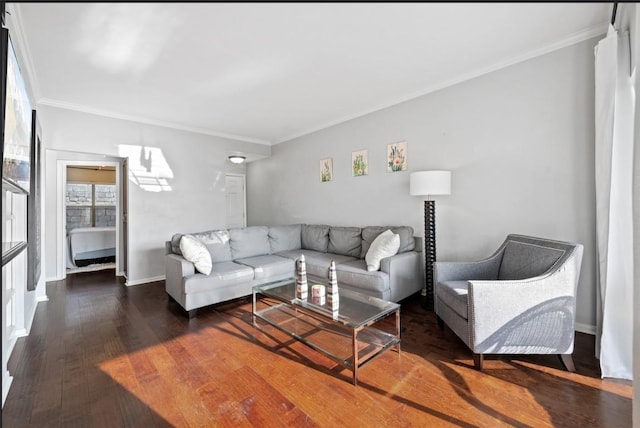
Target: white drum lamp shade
{"x": 430, "y": 183}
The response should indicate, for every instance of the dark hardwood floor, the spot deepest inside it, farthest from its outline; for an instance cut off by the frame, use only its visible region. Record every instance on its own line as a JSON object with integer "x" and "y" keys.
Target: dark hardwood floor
{"x": 102, "y": 354}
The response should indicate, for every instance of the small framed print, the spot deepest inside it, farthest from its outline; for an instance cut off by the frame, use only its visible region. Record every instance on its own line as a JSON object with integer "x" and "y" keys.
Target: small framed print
{"x": 360, "y": 163}
{"x": 326, "y": 169}
{"x": 397, "y": 157}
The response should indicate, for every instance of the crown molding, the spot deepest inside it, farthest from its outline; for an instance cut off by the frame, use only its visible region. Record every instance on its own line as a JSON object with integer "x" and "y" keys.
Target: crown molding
{"x": 139, "y": 119}
{"x": 566, "y": 42}
{"x": 14, "y": 22}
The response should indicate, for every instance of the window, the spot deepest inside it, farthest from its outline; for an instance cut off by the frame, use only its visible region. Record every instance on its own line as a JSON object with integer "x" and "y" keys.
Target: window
{"x": 90, "y": 205}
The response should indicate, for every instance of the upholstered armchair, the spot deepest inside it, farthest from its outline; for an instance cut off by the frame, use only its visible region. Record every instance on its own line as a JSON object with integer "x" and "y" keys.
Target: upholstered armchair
{"x": 521, "y": 300}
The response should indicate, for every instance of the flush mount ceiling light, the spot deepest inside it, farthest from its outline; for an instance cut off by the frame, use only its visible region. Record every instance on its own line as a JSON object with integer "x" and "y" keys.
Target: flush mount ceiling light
{"x": 237, "y": 158}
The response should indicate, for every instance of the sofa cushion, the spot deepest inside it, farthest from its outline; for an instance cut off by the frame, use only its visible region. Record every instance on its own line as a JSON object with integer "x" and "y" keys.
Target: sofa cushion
{"x": 345, "y": 240}
{"x": 369, "y": 233}
{"x": 354, "y": 273}
{"x": 317, "y": 263}
{"x": 222, "y": 274}
{"x": 265, "y": 267}
{"x": 385, "y": 245}
{"x": 194, "y": 251}
{"x": 315, "y": 237}
{"x": 284, "y": 238}
{"x": 523, "y": 260}
{"x": 217, "y": 242}
{"x": 454, "y": 294}
{"x": 249, "y": 241}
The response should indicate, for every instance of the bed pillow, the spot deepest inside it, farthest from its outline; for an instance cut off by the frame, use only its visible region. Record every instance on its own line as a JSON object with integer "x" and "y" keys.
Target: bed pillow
{"x": 196, "y": 252}
{"x": 385, "y": 245}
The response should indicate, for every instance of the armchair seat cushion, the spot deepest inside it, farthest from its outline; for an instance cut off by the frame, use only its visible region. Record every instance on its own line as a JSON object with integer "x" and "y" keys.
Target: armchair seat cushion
{"x": 454, "y": 295}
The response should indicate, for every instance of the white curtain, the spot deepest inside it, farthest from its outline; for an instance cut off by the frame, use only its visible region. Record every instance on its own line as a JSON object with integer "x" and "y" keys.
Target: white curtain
{"x": 614, "y": 103}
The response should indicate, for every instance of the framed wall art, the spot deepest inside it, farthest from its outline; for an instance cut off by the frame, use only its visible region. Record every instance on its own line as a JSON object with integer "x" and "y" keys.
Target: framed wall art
{"x": 397, "y": 157}
{"x": 326, "y": 169}
{"x": 360, "y": 163}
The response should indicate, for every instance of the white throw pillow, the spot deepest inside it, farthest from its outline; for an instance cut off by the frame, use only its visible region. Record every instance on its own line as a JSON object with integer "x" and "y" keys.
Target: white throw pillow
{"x": 195, "y": 251}
{"x": 386, "y": 244}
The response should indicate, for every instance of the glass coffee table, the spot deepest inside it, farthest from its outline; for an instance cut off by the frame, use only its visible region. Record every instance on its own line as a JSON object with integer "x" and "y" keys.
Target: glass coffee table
{"x": 347, "y": 336}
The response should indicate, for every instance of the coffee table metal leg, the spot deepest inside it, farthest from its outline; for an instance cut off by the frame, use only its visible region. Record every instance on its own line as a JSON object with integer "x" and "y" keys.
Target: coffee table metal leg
{"x": 398, "y": 330}
{"x": 355, "y": 356}
{"x": 253, "y": 308}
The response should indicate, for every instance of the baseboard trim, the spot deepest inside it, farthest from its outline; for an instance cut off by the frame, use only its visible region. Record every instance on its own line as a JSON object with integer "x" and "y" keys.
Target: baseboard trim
{"x": 6, "y": 384}
{"x": 44, "y": 298}
{"x": 11, "y": 343}
{"x": 586, "y": 328}
{"x": 145, "y": 280}
{"x": 29, "y": 321}
{"x": 55, "y": 278}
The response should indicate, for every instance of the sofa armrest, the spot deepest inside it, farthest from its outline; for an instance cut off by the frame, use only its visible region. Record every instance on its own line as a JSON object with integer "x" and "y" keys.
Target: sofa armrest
{"x": 176, "y": 268}
{"x": 405, "y": 274}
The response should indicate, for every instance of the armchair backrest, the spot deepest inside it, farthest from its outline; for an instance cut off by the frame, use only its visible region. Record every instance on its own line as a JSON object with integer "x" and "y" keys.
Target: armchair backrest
{"x": 527, "y": 257}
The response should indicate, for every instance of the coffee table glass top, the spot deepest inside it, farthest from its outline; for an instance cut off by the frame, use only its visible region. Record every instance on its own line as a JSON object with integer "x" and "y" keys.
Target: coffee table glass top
{"x": 355, "y": 309}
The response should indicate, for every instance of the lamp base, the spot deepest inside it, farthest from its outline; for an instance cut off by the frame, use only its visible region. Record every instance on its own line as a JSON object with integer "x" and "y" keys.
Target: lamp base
{"x": 424, "y": 301}
{"x": 429, "y": 251}
{"x": 424, "y": 304}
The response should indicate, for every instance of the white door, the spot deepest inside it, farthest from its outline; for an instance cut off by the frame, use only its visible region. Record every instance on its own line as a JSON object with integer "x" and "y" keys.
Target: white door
{"x": 236, "y": 200}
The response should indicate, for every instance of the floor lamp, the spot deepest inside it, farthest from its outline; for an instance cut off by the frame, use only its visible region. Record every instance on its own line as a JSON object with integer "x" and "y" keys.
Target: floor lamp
{"x": 429, "y": 183}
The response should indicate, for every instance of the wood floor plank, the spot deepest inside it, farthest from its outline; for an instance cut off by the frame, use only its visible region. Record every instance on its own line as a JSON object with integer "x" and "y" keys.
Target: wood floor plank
{"x": 103, "y": 354}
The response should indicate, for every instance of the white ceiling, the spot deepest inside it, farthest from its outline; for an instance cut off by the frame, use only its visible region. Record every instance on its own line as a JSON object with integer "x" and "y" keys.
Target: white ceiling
{"x": 270, "y": 72}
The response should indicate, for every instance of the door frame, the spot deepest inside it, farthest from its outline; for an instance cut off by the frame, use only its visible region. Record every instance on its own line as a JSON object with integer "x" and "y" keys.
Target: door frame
{"x": 244, "y": 194}
{"x": 61, "y": 236}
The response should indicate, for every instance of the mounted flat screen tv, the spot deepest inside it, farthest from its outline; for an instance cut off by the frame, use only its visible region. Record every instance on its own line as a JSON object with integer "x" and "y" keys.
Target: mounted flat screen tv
{"x": 16, "y": 143}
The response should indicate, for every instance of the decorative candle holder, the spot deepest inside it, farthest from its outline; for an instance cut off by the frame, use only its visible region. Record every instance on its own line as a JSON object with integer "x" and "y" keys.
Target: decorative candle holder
{"x": 302, "y": 288}
{"x": 332, "y": 288}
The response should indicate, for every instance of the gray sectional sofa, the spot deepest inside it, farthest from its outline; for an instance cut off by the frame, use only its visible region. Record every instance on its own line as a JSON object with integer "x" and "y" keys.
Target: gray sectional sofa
{"x": 244, "y": 257}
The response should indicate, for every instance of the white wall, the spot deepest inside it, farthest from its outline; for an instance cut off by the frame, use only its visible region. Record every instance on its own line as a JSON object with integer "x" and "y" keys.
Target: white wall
{"x": 519, "y": 143}
{"x": 193, "y": 166}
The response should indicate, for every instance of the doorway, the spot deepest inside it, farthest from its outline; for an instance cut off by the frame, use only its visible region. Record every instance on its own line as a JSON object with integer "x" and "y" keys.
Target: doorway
{"x": 91, "y": 215}
{"x": 236, "y": 200}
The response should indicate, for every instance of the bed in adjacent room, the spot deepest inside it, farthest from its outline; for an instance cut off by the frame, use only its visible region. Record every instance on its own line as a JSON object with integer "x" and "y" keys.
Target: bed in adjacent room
{"x": 90, "y": 244}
